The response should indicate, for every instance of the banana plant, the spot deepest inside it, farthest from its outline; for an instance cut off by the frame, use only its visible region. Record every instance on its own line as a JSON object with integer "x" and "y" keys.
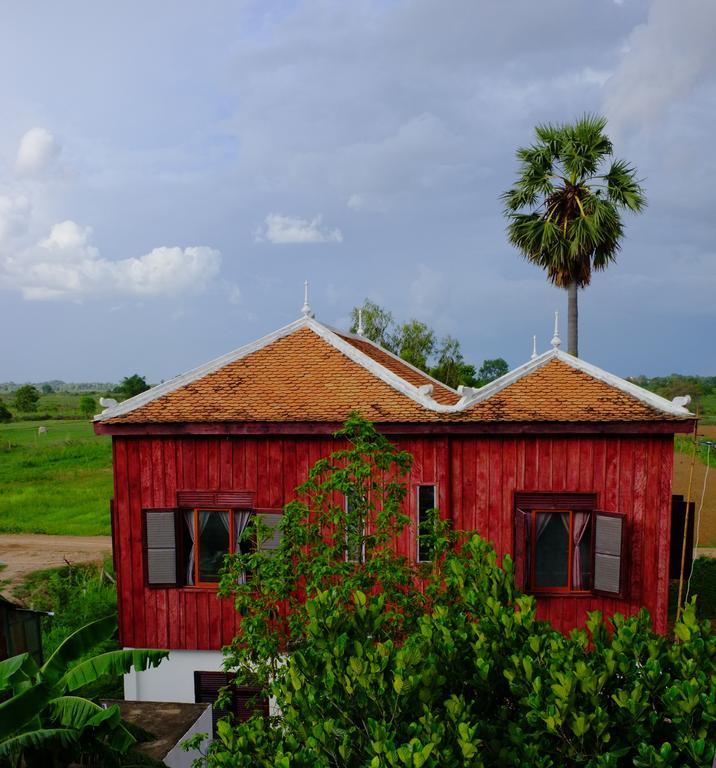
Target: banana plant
{"x": 44, "y": 719}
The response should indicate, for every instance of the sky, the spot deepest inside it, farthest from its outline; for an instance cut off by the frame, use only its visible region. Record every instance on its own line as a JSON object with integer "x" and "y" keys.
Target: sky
{"x": 171, "y": 173}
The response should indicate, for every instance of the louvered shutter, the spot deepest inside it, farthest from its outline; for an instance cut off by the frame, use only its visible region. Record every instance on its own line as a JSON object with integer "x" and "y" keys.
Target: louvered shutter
{"x": 609, "y": 547}
{"x": 245, "y": 701}
{"x": 522, "y": 549}
{"x": 272, "y": 520}
{"x": 160, "y": 547}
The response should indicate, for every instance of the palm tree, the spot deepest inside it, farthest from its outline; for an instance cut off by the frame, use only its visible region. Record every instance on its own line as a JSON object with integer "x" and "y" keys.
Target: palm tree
{"x": 565, "y": 209}
{"x": 45, "y": 720}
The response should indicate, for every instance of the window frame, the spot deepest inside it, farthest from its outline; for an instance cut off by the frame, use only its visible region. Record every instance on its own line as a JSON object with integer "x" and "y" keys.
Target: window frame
{"x": 418, "y": 486}
{"x": 197, "y": 549}
{"x": 569, "y": 589}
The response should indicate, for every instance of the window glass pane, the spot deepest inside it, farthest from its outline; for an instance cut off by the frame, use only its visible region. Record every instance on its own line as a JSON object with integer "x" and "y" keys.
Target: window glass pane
{"x": 426, "y": 502}
{"x": 355, "y": 527}
{"x": 213, "y": 544}
{"x": 552, "y": 549}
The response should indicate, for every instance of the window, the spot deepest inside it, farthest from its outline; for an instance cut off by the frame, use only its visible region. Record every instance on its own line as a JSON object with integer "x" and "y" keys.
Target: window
{"x": 355, "y": 528}
{"x": 210, "y": 534}
{"x": 564, "y": 545}
{"x": 426, "y": 508}
{"x": 561, "y": 549}
{"x": 244, "y": 701}
{"x": 187, "y": 547}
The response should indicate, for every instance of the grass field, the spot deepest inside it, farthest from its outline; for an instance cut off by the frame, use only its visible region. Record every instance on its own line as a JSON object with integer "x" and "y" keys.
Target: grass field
{"x": 57, "y": 483}
{"x": 56, "y": 405}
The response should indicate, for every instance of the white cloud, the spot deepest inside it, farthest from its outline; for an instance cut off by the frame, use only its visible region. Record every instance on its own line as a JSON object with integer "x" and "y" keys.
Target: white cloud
{"x": 283, "y": 230}
{"x": 65, "y": 265}
{"x": 662, "y": 62}
{"x": 356, "y": 202}
{"x": 37, "y": 151}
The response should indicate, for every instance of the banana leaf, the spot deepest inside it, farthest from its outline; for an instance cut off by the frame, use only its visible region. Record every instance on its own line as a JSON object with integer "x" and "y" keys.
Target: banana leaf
{"x": 77, "y": 645}
{"x": 16, "y": 668}
{"x": 40, "y": 739}
{"x": 20, "y": 709}
{"x": 110, "y": 663}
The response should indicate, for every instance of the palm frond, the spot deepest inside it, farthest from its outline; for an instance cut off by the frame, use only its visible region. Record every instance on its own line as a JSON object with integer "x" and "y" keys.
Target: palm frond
{"x": 111, "y": 663}
{"x": 623, "y": 189}
{"x": 73, "y": 711}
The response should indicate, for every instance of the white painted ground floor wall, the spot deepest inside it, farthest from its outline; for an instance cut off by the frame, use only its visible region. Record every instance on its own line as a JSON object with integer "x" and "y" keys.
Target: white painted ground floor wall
{"x": 173, "y": 679}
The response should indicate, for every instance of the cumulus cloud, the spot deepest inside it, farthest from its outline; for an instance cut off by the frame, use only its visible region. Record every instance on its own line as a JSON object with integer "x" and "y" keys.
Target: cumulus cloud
{"x": 285, "y": 230}
{"x": 37, "y": 151}
{"x": 65, "y": 265}
{"x": 662, "y": 62}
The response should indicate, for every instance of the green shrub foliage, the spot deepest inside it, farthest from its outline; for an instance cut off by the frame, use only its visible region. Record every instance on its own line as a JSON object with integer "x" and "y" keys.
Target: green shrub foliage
{"x": 385, "y": 663}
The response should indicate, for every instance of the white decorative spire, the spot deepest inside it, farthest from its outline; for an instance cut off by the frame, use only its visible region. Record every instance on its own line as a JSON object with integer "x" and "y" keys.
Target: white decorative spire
{"x": 534, "y": 348}
{"x": 556, "y": 341}
{"x": 361, "y": 330}
{"x": 306, "y": 308}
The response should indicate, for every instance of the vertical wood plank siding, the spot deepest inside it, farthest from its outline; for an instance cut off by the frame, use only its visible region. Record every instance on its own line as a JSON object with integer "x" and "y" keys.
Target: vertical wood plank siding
{"x": 476, "y": 476}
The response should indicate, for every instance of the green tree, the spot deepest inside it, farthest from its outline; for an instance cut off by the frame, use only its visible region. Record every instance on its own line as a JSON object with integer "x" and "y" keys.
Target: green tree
{"x": 564, "y": 211}
{"x": 47, "y": 389}
{"x": 44, "y": 718}
{"x": 491, "y": 370}
{"x": 415, "y": 343}
{"x": 88, "y": 406}
{"x": 26, "y": 398}
{"x": 390, "y": 663}
{"x": 377, "y": 323}
{"x": 450, "y": 367}
{"x": 5, "y": 414}
{"x": 132, "y": 385}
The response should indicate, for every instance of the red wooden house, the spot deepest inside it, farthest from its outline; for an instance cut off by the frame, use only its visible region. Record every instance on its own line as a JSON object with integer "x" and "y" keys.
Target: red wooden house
{"x": 559, "y": 463}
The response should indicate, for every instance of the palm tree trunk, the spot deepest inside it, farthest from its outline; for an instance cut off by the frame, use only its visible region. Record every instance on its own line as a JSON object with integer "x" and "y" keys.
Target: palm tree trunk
{"x": 572, "y": 320}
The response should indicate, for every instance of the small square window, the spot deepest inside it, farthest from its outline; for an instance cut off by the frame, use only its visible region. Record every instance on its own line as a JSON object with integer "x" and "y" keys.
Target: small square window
{"x": 426, "y": 505}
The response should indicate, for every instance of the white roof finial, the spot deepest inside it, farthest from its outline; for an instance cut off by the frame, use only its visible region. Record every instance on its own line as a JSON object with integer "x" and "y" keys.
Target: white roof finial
{"x": 534, "y": 348}
{"x": 306, "y": 308}
{"x": 556, "y": 341}
{"x": 361, "y": 330}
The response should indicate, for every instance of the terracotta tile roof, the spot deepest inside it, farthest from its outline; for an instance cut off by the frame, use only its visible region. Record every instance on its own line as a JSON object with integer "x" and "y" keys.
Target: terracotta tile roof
{"x": 307, "y": 373}
{"x": 441, "y": 392}
{"x": 559, "y": 392}
{"x": 299, "y": 377}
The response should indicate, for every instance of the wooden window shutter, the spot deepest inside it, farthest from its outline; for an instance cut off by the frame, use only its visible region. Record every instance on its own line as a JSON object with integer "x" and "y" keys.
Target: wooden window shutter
{"x": 160, "y": 547}
{"x": 522, "y": 549}
{"x": 609, "y": 562}
{"x": 272, "y": 519}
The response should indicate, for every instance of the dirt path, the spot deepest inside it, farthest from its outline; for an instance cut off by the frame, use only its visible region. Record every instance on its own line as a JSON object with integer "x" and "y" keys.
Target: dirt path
{"x": 26, "y": 552}
{"x": 682, "y": 464}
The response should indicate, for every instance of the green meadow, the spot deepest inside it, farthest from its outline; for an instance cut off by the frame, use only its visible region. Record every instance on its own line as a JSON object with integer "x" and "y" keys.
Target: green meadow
{"x": 58, "y": 483}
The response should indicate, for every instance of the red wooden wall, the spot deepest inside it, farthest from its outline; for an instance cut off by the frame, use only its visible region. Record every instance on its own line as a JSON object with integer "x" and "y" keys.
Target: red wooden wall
{"x": 476, "y": 478}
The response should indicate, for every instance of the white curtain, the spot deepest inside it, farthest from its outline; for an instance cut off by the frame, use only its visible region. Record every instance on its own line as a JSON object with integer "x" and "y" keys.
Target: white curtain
{"x": 581, "y": 523}
{"x": 242, "y": 517}
{"x": 203, "y": 520}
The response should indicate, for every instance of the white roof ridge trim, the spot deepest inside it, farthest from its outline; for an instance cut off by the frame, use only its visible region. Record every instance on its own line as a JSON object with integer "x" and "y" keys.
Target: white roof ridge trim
{"x": 442, "y": 384}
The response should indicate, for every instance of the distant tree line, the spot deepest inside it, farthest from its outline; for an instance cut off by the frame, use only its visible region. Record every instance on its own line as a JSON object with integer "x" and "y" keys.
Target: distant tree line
{"x": 677, "y": 384}
{"x": 418, "y": 344}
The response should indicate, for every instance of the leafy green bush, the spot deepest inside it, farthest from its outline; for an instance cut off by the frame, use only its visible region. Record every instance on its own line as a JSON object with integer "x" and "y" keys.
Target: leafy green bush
{"x": 385, "y": 663}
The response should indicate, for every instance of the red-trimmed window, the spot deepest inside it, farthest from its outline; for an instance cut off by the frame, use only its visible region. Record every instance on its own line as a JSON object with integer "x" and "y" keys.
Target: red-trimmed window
{"x": 564, "y": 545}
{"x": 561, "y": 550}
{"x": 209, "y": 535}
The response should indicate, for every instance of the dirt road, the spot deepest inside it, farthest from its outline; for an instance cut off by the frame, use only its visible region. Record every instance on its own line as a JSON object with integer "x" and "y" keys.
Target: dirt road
{"x": 26, "y": 552}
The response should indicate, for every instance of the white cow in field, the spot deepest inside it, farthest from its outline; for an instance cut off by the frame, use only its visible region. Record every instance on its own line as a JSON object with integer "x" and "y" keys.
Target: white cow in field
{"x": 42, "y": 430}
